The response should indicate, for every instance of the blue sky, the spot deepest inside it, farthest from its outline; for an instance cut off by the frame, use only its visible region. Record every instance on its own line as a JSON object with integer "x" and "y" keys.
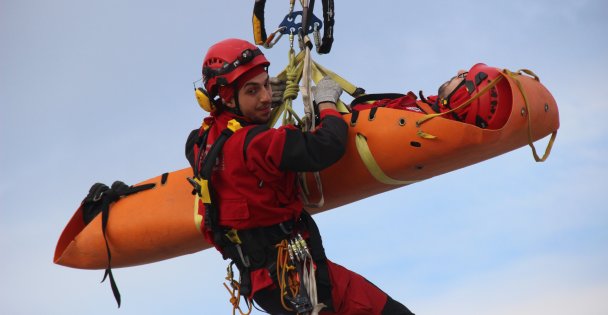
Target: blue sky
{"x": 101, "y": 90}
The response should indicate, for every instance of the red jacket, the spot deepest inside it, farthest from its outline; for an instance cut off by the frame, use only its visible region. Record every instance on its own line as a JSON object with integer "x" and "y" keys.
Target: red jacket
{"x": 256, "y": 182}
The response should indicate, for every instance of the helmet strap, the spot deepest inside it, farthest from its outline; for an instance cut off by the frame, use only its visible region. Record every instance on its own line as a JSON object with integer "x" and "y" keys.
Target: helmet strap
{"x": 448, "y": 98}
{"x": 237, "y": 106}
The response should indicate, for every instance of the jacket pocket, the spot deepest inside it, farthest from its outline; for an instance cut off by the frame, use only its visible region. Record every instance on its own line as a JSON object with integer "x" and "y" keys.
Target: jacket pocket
{"x": 234, "y": 210}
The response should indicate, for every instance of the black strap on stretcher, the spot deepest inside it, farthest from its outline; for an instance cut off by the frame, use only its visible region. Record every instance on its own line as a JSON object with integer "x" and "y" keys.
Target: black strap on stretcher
{"x": 98, "y": 200}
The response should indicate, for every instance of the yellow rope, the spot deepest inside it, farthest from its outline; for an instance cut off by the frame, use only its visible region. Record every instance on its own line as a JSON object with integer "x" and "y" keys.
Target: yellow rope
{"x": 292, "y": 75}
{"x": 513, "y": 75}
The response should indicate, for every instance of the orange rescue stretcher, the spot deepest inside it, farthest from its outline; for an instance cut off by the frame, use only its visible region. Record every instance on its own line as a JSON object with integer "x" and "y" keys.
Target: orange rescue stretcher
{"x": 389, "y": 149}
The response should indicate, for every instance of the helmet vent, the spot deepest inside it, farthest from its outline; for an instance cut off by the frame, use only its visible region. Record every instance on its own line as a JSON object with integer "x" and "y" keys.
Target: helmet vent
{"x": 214, "y": 61}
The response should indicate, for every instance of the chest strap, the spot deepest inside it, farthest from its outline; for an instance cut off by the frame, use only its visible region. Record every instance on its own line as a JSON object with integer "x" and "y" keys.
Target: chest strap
{"x": 203, "y": 168}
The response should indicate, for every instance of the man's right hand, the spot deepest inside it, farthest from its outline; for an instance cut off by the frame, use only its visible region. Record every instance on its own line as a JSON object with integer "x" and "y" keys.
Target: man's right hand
{"x": 327, "y": 90}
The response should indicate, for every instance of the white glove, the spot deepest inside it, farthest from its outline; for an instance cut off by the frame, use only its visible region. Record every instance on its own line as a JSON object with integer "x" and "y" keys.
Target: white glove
{"x": 327, "y": 90}
{"x": 278, "y": 87}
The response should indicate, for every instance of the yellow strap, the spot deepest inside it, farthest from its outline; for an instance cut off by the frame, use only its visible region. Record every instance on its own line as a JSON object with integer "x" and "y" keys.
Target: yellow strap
{"x": 257, "y": 30}
{"x": 318, "y": 74}
{"x": 513, "y": 75}
{"x": 204, "y": 193}
{"x": 547, "y": 150}
{"x": 234, "y": 125}
{"x": 425, "y": 135}
{"x": 529, "y": 72}
{"x": 203, "y": 196}
{"x": 296, "y": 66}
{"x": 372, "y": 166}
{"x": 233, "y": 236}
{"x": 428, "y": 117}
{"x": 198, "y": 218}
{"x": 345, "y": 85}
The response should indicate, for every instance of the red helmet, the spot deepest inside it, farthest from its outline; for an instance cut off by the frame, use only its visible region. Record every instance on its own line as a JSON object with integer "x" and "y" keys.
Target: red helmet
{"x": 492, "y": 109}
{"x": 227, "y": 60}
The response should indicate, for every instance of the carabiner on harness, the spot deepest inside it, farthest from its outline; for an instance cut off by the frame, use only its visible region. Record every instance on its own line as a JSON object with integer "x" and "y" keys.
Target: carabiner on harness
{"x": 296, "y": 276}
{"x": 235, "y": 292}
{"x": 233, "y": 236}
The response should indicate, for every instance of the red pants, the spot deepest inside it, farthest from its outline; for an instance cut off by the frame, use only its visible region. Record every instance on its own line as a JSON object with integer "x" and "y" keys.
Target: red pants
{"x": 351, "y": 295}
{"x": 354, "y": 295}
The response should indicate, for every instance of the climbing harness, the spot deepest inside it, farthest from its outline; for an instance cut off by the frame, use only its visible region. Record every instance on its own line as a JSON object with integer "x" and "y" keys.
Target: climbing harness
{"x": 201, "y": 182}
{"x": 205, "y": 197}
{"x": 248, "y": 248}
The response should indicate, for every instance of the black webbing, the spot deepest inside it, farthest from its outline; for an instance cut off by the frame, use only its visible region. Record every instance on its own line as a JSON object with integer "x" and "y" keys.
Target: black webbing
{"x": 118, "y": 190}
{"x": 213, "y": 154}
{"x": 258, "y": 12}
{"x": 251, "y": 133}
{"x": 328, "y": 24}
{"x": 353, "y": 117}
{"x": 372, "y": 113}
{"x": 201, "y": 143}
{"x": 307, "y": 14}
{"x": 374, "y": 97}
{"x": 211, "y": 211}
{"x": 328, "y": 27}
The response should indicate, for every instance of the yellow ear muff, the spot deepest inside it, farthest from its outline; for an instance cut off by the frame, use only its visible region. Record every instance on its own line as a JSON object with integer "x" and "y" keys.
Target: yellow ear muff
{"x": 203, "y": 100}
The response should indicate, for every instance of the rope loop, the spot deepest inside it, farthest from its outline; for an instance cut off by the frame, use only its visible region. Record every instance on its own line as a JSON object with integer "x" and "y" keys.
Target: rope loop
{"x": 514, "y": 75}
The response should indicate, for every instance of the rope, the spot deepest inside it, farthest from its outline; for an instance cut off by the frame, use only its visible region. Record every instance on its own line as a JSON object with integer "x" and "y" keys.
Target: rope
{"x": 298, "y": 68}
{"x": 513, "y": 75}
{"x": 291, "y": 90}
{"x": 235, "y": 293}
